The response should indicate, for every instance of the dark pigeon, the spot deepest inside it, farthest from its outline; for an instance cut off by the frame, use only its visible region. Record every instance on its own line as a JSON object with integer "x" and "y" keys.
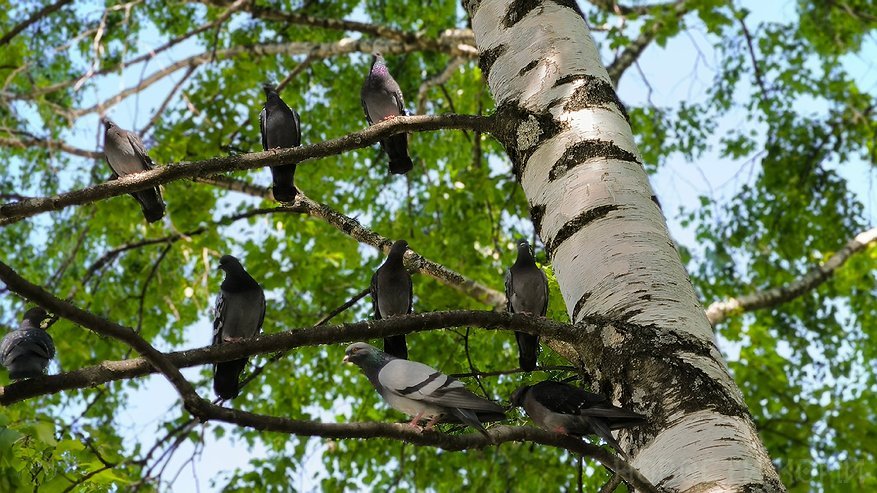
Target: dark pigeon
{"x": 381, "y": 99}
{"x": 126, "y": 156}
{"x": 421, "y": 391}
{"x": 26, "y": 352}
{"x": 239, "y": 313}
{"x": 526, "y": 290}
{"x": 569, "y": 410}
{"x": 392, "y": 295}
{"x": 281, "y": 128}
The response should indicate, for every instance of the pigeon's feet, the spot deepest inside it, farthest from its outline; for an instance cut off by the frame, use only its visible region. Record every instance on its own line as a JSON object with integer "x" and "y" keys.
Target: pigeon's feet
{"x": 232, "y": 339}
{"x": 431, "y": 423}
{"x": 415, "y": 420}
{"x": 388, "y": 117}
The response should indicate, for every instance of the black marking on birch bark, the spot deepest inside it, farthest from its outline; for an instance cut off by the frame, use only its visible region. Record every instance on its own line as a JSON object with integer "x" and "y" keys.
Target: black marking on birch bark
{"x": 577, "y": 223}
{"x": 537, "y": 212}
{"x": 488, "y": 57}
{"x": 572, "y": 5}
{"x": 593, "y": 91}
{"x": 581, "y": 152}
{"x": 530, "y": 66}
{"x": 513, "y": 124}
{"x": 657, "y": 202}
{"x": 517, "y": 10}
{"x": 579, "y": 305}
{"x": 471, "y": 6}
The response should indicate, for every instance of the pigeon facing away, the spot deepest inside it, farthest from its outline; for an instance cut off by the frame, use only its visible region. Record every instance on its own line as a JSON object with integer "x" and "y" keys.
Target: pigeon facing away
{"x": 26, "y": 352}
{"x": 281, "y": 128}
{"x": 381, "y": 99}
{"x": 392, "y": 295}
{"x": 240, "y": 310}
{"x": 526, "y": 289}
{"x": 421, "y": 391}
{"x": 569, "y": 410}
{"x": 126, "y": 156}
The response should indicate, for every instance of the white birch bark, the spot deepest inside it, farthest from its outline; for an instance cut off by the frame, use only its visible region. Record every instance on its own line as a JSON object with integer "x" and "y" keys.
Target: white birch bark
{"x": 593, "y": 207}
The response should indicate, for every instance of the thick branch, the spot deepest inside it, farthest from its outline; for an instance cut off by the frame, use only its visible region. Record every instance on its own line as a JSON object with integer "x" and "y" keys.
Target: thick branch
{"x": 721, "y": 310}
{"x": 109, "y": 371}
{"x": 15, "y": 211}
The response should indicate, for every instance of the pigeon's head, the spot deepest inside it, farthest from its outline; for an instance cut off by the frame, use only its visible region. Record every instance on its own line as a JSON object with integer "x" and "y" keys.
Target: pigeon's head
{"x": 518, "y": 396}
{"x": 35, "y": 316}
{"x": 228, "y": 262}
{"x": 398, "y": 248}
{"x": 524, "y": 251}
{"x": 269, "y": 88}
{"x": 360, "y": 354}
{"x": 107, "y": 122}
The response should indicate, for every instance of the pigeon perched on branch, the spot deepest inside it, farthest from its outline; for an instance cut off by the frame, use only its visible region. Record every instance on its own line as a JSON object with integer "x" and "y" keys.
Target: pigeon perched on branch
{"x": 239, "y": 313}
{"x": 421, "y": 391}
{"x": 26, "y": 352}
{"x": 526, "y": 289}
{"x": 562, "y": 408}
{"x": 392, "y": 295}
{"x": 381, "y": 100}
{"x": 281, "y": 128}
{"x": 126, "y": 155}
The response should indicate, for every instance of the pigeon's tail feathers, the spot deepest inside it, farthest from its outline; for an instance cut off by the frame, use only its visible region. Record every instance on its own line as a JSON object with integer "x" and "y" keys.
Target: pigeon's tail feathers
{"x": 284, "y": 187}
{"x": 615, "y": 418}
{"x": 470, "y": 418}
{"x": 602, "y": 430}
{"x": 528, "y": 348}
{"x": 397, "y": 149}
{"x": 151, "y": 204}
{"x": 226, "y": 378}
{"x": 396, "y": 346}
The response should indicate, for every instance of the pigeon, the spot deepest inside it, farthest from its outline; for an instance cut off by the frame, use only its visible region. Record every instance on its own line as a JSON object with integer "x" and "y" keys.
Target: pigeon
{"x": 239, "y": 313}
{"x": 126, "y": 156}
{"x": 26, "y": 352}
{"x": 562, "y": 408}
{"x": 281, "y": 128}
{"x": 421, "y": 391}
{"x": 381, "y": 99}
{"x": 392, "y": 295}
{"x": 526, "y": 289}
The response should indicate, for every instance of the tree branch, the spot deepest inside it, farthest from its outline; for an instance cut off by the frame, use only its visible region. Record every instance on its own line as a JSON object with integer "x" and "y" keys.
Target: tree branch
{"x": 154, "y": 358}
{"x": 109, "y": 371}
{"x": 719, "y": 311}
{"x": 43, "y": 12}
{"x": 16, "y": 211}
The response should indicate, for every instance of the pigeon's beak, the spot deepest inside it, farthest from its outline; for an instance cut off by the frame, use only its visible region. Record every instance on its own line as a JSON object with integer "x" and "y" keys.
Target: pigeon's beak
{"x": 346, "y": 359}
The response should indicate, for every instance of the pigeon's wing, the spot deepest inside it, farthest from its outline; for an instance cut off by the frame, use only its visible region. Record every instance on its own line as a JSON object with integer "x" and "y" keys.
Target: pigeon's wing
{"x": 363, "y": 103}
{"x": 297, "y": 120}
{"x": 419, "y": 382}
{"x": 397, "y": 95}
{"x": 566, "y": 399}
{"x": 509, "y": 288}
{"x": 218, "y": 318}
{"x": 6, "y": 347}
{"x": 373, "y": 289}
{"x": 545, "y": 291}
{"x": 263, "y": 116}
{"x": 140, "y": 150}
{"x": 410, "y": 295}
{"x": 262, "y": 316}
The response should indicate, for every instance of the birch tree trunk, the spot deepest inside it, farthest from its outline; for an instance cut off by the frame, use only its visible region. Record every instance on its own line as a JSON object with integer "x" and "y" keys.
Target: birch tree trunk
{"x": 573, "y": 152}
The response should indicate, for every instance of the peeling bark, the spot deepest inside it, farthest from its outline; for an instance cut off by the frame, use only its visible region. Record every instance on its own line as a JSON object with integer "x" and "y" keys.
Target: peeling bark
{"x": 569, "y": 139}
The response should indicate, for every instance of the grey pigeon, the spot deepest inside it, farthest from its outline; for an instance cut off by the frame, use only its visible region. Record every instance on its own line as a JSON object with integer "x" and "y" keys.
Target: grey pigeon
{"x": 392, "y": 295}
{"x": 240, "y": 310}
{"x": 562, "y": 408}
{"x": 526, "y": 289}
{"x": 126, "y": 156}
{"x": 421, "y": 391}
{"x": 281, "y": 128}
{"x": 381, "y": 99}
{"x": 26, "y": 352}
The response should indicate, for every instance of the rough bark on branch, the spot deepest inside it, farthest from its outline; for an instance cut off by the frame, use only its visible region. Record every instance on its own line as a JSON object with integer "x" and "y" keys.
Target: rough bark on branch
{"x": 720, "y": 311}
{"x": 16, "y": 211}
